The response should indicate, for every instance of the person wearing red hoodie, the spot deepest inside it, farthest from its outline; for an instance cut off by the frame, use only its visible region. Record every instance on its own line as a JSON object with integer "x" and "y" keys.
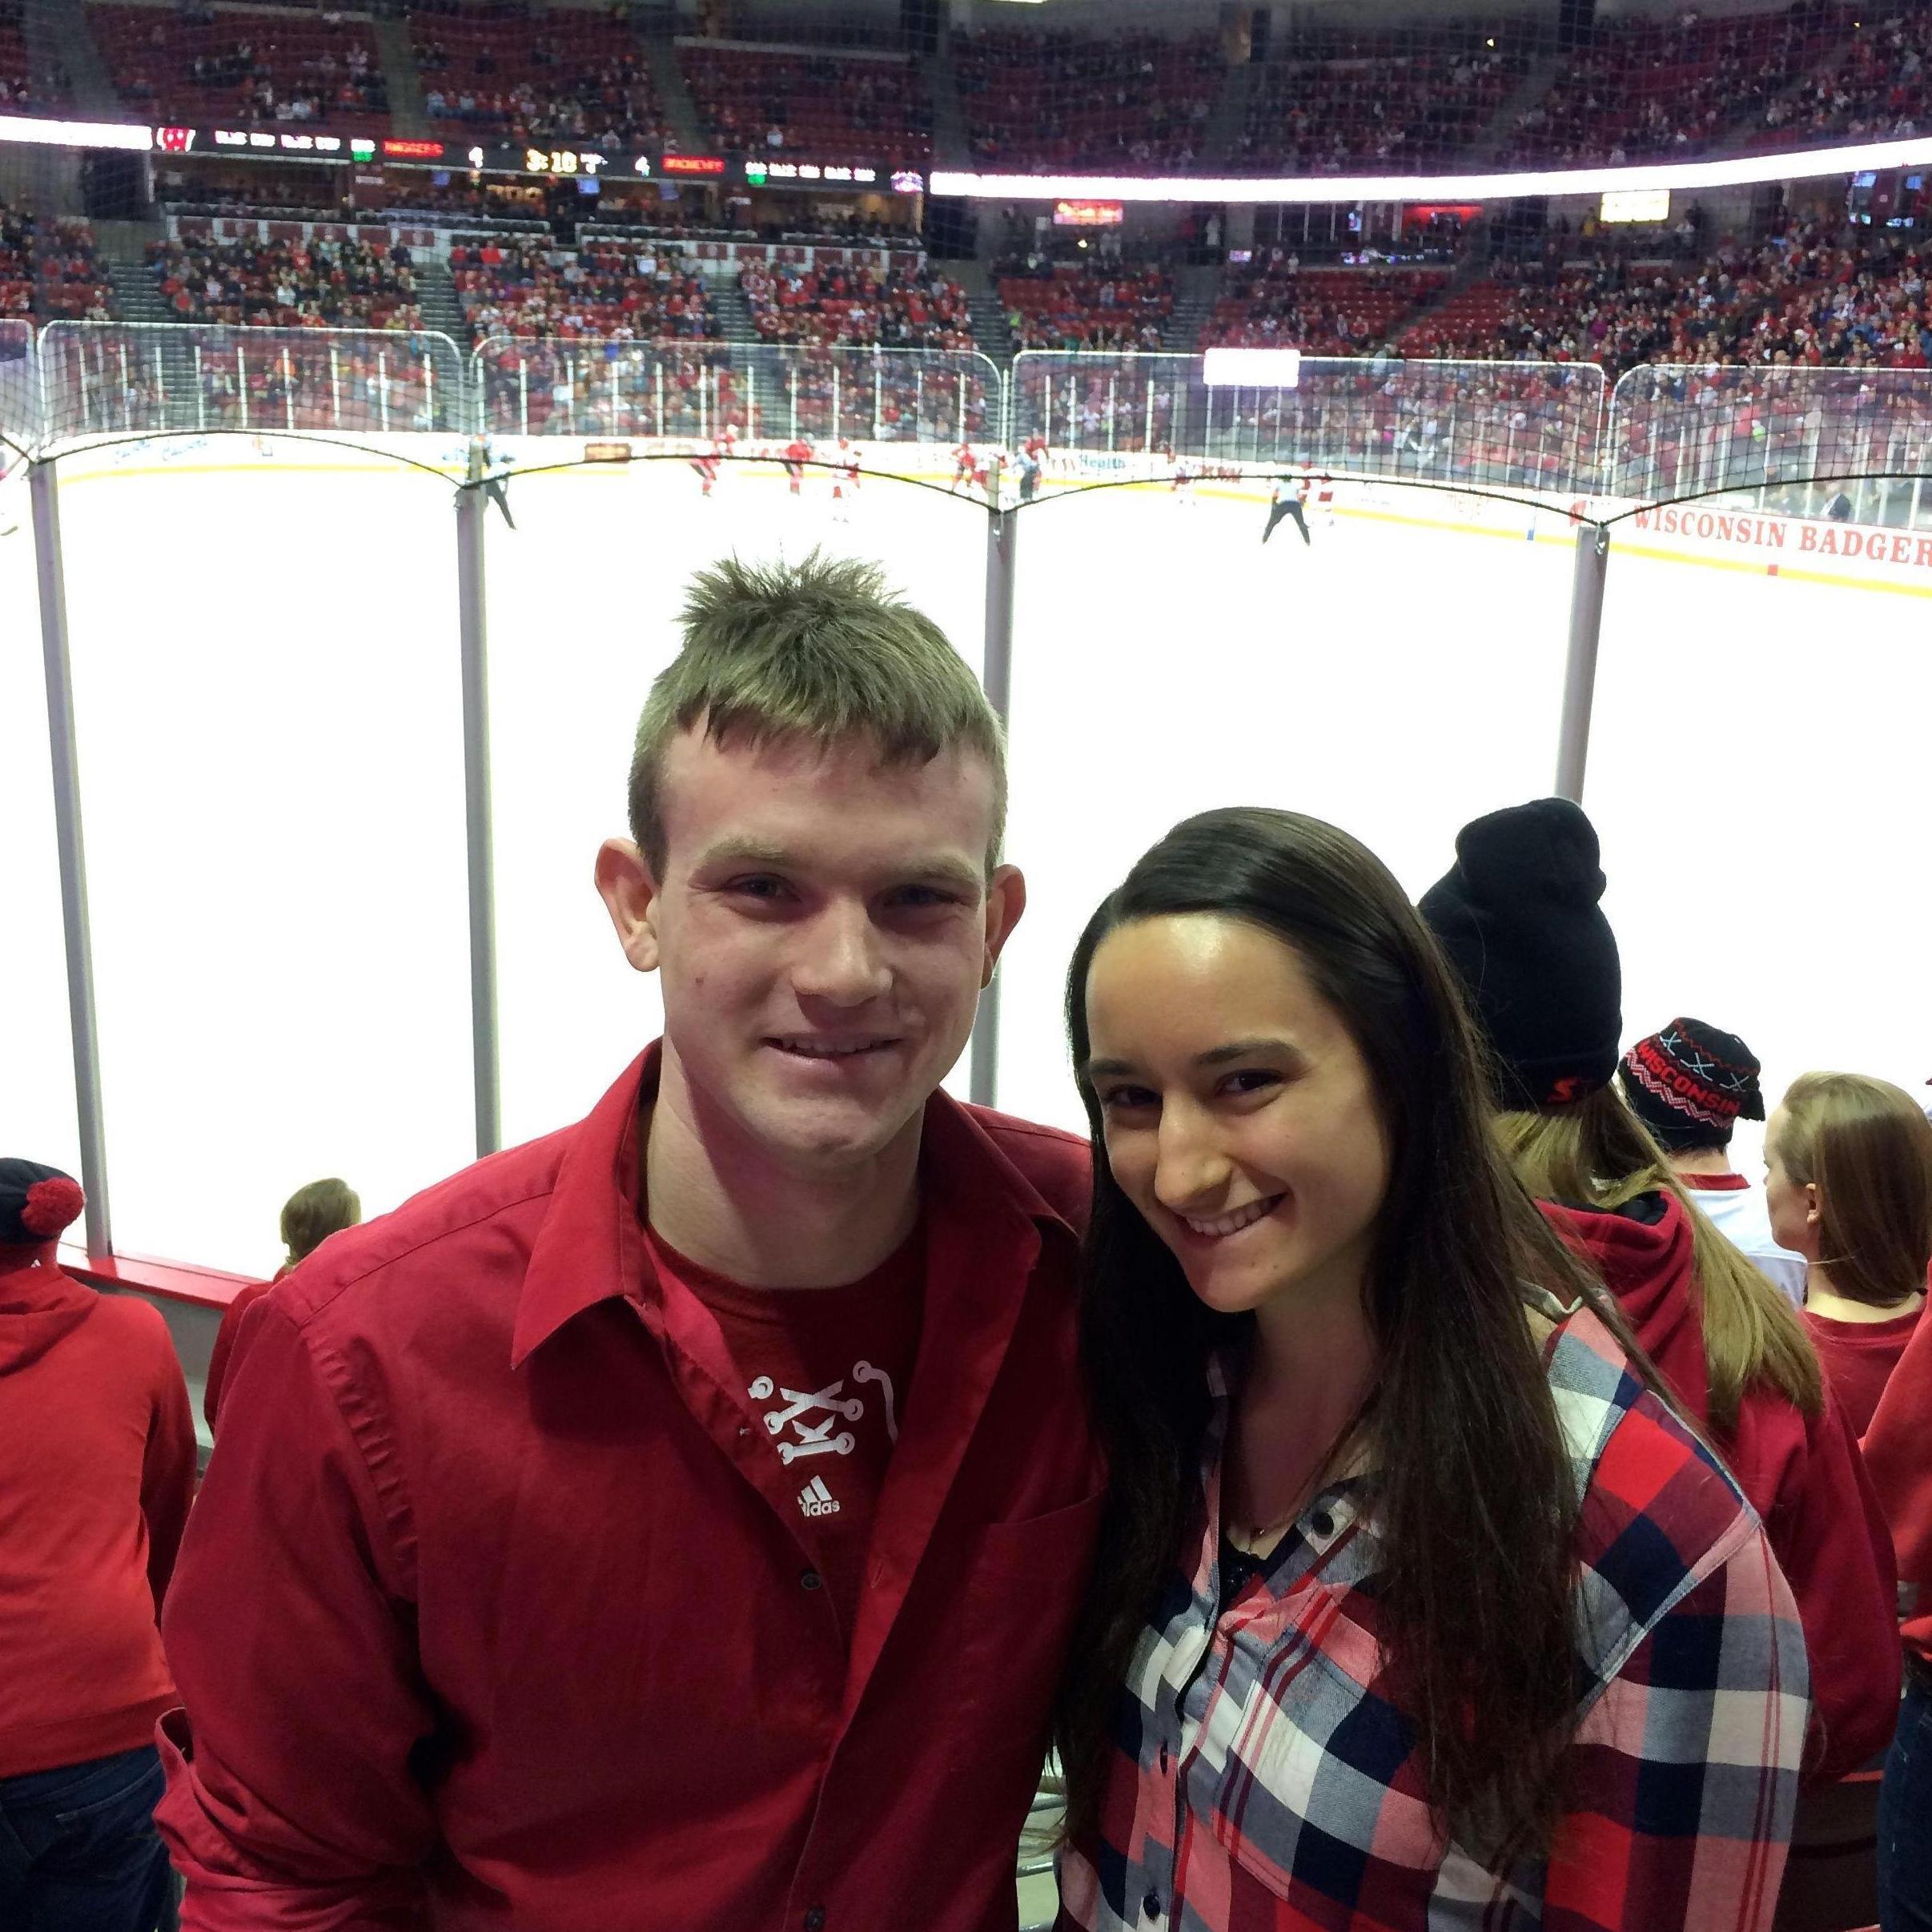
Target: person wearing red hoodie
{"x": 97, "y": 1470}
{"x": 1518, "y": 914}
{"x": 1901, "y": 1472}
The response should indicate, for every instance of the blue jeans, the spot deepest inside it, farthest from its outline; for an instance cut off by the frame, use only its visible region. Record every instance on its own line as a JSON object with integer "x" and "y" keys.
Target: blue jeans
{"x": 78, "y": 1850}
{"x": 1905, "y": 1816}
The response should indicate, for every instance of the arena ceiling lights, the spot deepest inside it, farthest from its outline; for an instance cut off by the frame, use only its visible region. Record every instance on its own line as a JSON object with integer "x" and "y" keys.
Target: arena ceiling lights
{"x": 30, "y": 133}
{"x": 1746, "y": 171}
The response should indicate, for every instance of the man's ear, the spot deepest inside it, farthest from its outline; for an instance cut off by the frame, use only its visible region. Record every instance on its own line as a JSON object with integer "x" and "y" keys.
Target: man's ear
{"x": 1006, "y": 901}
{"x": 628, "y": 891}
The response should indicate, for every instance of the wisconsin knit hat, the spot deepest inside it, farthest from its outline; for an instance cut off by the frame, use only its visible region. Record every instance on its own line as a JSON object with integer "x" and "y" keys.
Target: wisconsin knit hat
{"x": 37, "y": 1203}
{"x": 1691, "y": 1084}
{"x": 1518, "y": 916}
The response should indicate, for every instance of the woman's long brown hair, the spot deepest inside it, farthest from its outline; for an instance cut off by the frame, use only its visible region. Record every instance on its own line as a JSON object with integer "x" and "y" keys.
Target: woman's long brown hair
{"x": 1474, "y": 1500}
{"x": 1598, "y": 1153}
{"x": 1868, "y": 1148}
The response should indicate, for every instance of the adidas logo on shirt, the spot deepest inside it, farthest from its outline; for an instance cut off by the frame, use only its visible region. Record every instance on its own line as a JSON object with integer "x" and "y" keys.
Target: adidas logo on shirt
{"x": 816, "y": 1500}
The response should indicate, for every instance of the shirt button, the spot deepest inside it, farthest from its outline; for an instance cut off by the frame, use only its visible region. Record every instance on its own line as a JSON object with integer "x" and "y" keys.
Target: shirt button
{"x": 1151, "y": 1905}
{"x": 1322, "y": 1523}
{"x": 815, "y": 1919}
{"x": 812, "y": 1580}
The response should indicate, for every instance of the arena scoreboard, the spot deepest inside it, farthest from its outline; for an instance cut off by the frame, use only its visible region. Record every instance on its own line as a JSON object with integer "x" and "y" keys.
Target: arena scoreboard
{"x": 530, "y": 160}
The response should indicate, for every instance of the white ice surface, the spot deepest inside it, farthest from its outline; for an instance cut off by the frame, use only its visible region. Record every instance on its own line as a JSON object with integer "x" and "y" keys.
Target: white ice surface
{"x": 267, "y": 681}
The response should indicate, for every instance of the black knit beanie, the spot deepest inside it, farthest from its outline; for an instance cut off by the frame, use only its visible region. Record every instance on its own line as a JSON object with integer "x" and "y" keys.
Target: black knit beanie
{"x": 37, "y": 1203}
{"x": 1690, "y": 1083}
{"x": 1518, "y": 916}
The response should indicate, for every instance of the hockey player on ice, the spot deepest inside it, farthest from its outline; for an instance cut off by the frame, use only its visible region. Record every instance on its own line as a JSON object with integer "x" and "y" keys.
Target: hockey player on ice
{"x": 797, "y": 454}
{"x": 844, "y": 479}
{"x": 966, "y": 466}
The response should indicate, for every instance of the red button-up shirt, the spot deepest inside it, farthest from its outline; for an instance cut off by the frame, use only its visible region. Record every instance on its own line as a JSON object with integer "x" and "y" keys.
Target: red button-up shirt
{"x": 497, "y": 1609}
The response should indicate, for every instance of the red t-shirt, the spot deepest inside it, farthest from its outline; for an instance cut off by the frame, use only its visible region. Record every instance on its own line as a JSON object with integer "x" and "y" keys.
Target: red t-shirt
{"x": 825, "y": 1372}
{"x": 1859, "y": 1358}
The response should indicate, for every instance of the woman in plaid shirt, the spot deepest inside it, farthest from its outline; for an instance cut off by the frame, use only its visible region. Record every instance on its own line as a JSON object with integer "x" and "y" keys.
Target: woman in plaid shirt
{"x": 1416, "y": 1605}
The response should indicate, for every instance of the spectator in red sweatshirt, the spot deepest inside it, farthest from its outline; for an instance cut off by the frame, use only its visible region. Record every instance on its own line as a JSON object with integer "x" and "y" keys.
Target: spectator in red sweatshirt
{"x": 309, "y": 1216}
{"x": 97, "y": 1470}
{"x": 1901, "y": 1472}
{"x": 1849, "y": 1160}
{"x": 1518, "y": 914}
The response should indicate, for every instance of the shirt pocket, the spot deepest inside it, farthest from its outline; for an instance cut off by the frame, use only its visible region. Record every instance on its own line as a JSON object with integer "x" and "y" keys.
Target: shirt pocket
{"x": 1317, "y": 1778}
{"x": 1021, "y": 1591}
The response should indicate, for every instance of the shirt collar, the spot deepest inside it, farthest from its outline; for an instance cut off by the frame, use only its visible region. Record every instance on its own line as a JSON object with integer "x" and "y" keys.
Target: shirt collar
{"x": 591, "y": 1246}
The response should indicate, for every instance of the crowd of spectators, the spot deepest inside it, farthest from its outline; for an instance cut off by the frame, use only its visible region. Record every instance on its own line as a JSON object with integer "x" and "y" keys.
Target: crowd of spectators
{"x": 588, "y": 84}
{"x": 1803, "y": 297}
{"x": 827, "y": 106}
{"x": 288, "y": 283}
{"x": 608, "y": 289}
{"x": 1327, "y": 312}
{"x": 1404, "y": 102}
{"x": 19, "y": 92}
{"x": 16, "y": 262}
{"x": 1043, "y": 100}
{"x": 898, "y": 308}
{"x": 194, "y": 64}
{"x": 1086, "y": 304}
{"x": 50, "y": 270}
{"x": 1877, "y": 91}
{"x": 1646, "y": 88}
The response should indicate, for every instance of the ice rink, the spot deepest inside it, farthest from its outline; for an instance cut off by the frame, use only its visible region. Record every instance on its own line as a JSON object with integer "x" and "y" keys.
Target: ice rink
{"x": 265, "y": 679}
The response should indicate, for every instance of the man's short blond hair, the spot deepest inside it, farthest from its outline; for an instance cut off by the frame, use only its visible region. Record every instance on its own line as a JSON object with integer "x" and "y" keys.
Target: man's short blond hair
{"x": 818, "y": 650}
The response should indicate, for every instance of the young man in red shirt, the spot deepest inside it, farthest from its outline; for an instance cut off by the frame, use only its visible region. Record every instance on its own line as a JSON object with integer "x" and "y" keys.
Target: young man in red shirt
{"x": 681, "y": 1519}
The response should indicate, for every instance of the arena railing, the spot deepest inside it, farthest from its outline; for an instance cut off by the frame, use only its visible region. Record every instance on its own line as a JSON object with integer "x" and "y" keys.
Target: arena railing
{"x": 1520, "y": 426}
{"x": 1794, "y": 438}
{"x": 121, "y": 379}
{"x": 1526, "y": 437}
{"x": 692, "y": 390}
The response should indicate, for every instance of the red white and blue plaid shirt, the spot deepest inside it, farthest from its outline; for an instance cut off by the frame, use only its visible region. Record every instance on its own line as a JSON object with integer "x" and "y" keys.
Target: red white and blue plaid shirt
{"x": 1264, "y": 1781}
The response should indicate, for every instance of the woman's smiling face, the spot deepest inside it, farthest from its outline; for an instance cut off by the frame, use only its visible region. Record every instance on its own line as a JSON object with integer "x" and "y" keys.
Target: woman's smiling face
{"x": 1239, "y": 1116}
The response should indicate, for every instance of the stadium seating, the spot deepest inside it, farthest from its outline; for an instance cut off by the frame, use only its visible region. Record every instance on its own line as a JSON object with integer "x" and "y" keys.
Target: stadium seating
{"x": 901, "y": 308}
{"x": 288, "y": 282}
{"x": 1684, "y": 87}
{"x": 1087, "y": 305}
{"x": 198, "y": 65}
{"x": 74, "y": 283}
{"x": 1804, "y": 298}
{"x": 50, "y": 272}
{"x": 1327, "y": 311}
{"x": 811, "y": 102}
{"x": 1876, "y": 88}
{"x": 16, "y": 262}
{"x": 517, "y": 285}
{"x": 498, "y": 79}
{"x": 18, "y": 93}
{"x": 1402, "y": 100}
{"x": 1047, "y": 100}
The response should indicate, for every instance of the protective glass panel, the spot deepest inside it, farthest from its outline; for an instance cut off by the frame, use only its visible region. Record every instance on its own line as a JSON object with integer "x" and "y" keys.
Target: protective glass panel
{"x": 37, "y": 1116}
{"x": 1398, "y": 674}
{"x": 265, "y": 665}
{"x": 584, "y": 597}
